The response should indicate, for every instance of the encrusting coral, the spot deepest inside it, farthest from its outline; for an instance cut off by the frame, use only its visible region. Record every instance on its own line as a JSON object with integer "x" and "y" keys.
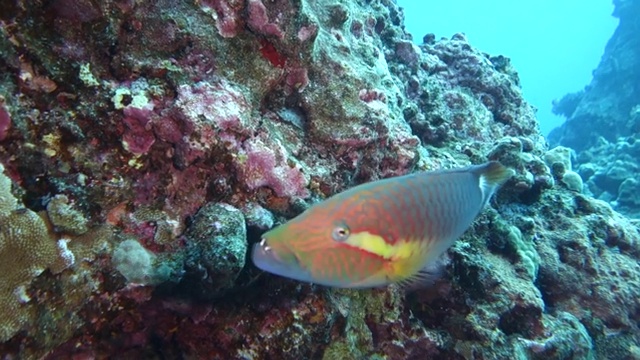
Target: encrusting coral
{"x": 27, "y": 248}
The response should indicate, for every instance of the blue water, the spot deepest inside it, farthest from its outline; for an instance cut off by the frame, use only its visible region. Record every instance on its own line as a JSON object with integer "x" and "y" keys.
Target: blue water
{"x": 554, "y": 45}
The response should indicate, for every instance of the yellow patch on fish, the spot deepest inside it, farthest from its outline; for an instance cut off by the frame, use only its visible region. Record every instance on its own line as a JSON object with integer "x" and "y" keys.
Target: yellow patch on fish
{"x": 404, "y": 257}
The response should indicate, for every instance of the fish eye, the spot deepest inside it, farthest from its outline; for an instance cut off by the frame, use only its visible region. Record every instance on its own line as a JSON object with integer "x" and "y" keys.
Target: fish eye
{"x": 340, "y": 233}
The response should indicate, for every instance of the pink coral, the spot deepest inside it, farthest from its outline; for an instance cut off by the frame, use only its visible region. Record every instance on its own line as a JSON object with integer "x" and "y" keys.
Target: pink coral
{"x": 138, "y": 137}
{"x": 219, "y": 104}
{"x": 263, "y": 164}
{"x": 259, "y": 20}
{"x": 228, "y": 16}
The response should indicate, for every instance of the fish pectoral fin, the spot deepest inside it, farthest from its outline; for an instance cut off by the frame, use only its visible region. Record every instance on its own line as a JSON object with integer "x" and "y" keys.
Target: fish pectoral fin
{"x": 424, "y": 278}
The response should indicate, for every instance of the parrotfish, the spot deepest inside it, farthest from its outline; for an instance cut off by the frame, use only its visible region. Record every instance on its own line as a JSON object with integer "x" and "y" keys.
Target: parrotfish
{"x": 381, "y": 232}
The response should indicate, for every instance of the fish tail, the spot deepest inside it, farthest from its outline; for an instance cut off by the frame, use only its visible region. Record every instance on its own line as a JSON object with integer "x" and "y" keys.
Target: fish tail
{"x": 491, "y": 176}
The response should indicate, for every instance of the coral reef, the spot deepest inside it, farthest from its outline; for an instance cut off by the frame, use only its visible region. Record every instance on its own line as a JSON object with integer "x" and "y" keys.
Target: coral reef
{"x": 147, "y": 145}
{"x": 603, "y": 119}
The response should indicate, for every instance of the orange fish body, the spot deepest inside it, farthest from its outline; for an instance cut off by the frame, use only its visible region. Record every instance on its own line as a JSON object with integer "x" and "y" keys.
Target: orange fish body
{"x": 380, "y": 232}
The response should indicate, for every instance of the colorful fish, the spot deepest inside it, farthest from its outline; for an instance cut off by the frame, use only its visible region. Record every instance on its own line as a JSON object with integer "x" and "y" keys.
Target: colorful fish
{"x": 380, "y": 232}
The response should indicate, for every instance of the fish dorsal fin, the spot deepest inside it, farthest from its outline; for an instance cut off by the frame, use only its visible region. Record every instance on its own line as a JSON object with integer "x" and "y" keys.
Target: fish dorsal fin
{"x": 491, "y": 176}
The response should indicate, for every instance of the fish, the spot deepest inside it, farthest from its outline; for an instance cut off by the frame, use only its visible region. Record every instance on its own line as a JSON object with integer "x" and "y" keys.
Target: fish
{"x": 382, "y": 232}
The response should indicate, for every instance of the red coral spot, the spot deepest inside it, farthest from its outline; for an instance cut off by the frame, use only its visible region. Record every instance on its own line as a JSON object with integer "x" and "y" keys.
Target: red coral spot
{"x": 270, "y": 53}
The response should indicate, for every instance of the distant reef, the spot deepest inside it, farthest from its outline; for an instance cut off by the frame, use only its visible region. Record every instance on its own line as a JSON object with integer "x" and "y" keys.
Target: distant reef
{"x": 603, "y": 120}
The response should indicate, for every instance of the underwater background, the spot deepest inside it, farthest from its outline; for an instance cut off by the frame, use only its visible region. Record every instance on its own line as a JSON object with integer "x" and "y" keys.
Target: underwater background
{"x": 147, "y": 146}
{"x": 554, "y": 45}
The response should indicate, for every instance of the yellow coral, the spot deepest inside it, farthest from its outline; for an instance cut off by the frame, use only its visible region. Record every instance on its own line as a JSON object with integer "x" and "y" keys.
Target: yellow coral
{"x": 8, "y": 202}
{"x": 26, "y": 249}
{"x": 64, "y": 217}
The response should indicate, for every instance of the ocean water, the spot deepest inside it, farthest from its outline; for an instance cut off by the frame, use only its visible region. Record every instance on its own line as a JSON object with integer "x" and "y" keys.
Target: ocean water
{"x": 554, "y": 45}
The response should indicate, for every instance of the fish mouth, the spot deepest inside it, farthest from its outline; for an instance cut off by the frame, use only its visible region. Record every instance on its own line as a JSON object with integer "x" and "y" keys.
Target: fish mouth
{"x": 267, "y": 259}
{"x": 264, "y": 257}
{"x": 263, "y": 251}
